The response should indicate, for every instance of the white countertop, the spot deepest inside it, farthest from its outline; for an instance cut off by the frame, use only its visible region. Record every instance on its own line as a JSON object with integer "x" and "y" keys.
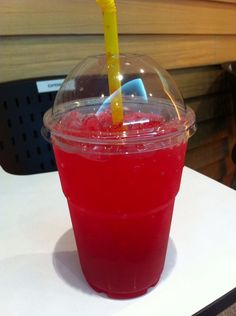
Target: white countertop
{"x": 39, "y": 270}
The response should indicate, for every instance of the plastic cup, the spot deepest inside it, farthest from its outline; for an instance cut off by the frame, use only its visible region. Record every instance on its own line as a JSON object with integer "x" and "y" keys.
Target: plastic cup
{"x": 120, "y": 181}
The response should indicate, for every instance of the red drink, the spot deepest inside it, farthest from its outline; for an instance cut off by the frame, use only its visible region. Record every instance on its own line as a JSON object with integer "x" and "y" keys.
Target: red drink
{"x": 120, "y": 180}
{"x": 121, "y": 200}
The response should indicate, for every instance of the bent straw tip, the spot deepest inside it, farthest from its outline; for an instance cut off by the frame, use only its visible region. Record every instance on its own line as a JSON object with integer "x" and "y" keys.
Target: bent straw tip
{"x": 107, "y": 5}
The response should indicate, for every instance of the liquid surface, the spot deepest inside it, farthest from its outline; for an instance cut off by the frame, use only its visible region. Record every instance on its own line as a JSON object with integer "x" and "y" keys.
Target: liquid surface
{"x": 121, "y": 207}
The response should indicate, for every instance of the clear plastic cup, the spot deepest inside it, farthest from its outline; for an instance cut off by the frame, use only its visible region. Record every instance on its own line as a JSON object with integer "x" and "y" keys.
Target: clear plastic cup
{"x": 120, "y": 180}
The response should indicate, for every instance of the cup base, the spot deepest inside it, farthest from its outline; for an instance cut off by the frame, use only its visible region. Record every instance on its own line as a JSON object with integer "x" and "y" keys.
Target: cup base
{"x": 123, "y": 296}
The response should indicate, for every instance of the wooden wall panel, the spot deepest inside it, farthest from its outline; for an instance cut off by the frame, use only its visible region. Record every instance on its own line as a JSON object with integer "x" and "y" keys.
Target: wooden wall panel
{"x": 203, "y": 156}
{"x": 210, "y": 149}
{"x": 222, "y": 170}
{"x": 199, "y": 81}
{"x": 214, "y": 160}
{"x": 134, "y": 16}
{"x": 25, "y": 57}
{"x": 226, "y": 1}
{"x": 211, "y": 106}
{"x": 209, "y": 132}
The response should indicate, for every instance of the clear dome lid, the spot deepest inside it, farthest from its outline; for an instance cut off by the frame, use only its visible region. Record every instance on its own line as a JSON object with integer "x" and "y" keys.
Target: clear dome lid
{"x": 152, "y": 104}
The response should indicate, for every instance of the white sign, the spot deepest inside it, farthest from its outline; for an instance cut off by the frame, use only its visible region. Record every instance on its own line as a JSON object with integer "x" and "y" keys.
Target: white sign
{"x": 49, "y": 85}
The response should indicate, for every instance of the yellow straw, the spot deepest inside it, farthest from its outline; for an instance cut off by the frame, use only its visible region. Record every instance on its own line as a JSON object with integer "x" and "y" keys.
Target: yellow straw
{"x": 112, "y": 50}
